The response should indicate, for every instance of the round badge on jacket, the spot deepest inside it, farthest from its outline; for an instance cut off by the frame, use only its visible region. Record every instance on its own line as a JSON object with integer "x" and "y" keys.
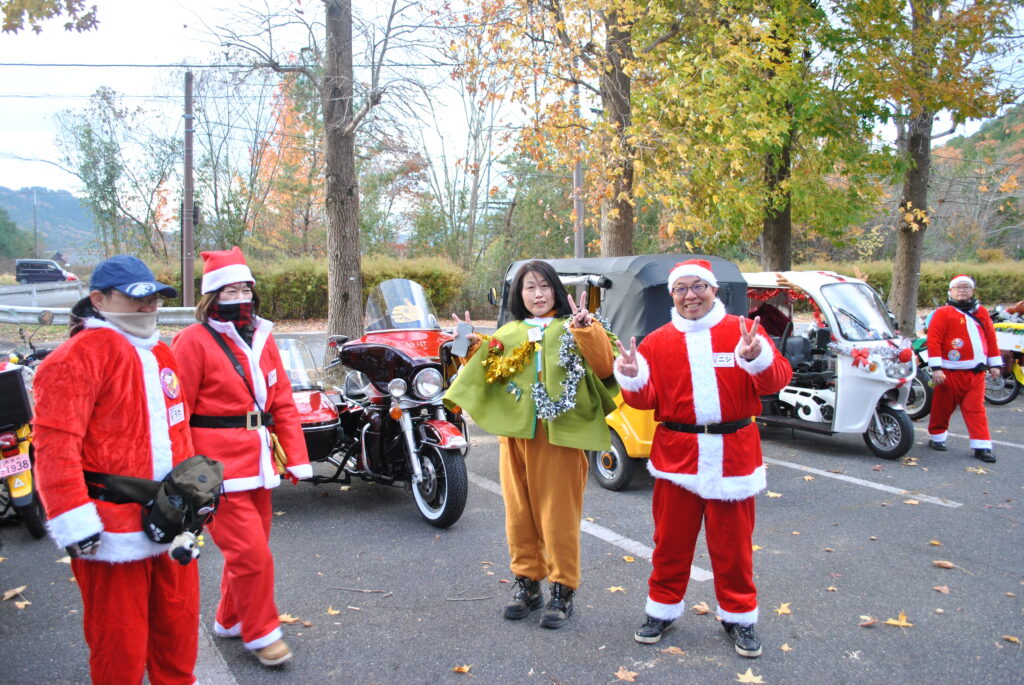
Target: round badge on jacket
{"x": 954, "y": 356}
{"x": 169, "y": 382}
{"x": 957, "y": 343}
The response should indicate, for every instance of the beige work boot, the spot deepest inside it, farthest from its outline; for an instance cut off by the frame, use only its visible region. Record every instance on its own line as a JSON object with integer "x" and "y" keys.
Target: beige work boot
{"x": 274, "y": 654}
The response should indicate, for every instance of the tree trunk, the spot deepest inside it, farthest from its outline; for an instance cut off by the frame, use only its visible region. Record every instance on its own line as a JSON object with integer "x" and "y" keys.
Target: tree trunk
{"x": 617, "y": 213}
{"x": 906, "y": 268}
{"x": 777, "y": 234}
{"x": 344, "y": 278}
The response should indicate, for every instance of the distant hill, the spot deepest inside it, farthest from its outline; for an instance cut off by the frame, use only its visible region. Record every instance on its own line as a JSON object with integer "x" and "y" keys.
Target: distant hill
{"x": 998, "y": 140}
{"x": 65, "y": 225}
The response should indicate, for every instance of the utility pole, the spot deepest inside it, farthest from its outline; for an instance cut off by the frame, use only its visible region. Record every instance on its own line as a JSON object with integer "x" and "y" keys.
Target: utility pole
{"x": 35, "y": 228}
{"x": 187, "y": 225}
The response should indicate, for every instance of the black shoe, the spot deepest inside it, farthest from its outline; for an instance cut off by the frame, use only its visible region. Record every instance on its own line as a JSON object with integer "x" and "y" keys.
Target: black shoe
{"x": 745, "y": 639}
{"x": 651, "y": 631}
{"x": 559, "y": 607}
{"x": 937, "y": 446}
{"x": 525, "y": 599}
{"x": 985, "y": 455}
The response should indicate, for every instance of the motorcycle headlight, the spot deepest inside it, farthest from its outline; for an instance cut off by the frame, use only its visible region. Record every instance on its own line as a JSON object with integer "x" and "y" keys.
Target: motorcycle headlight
{"x": 895, "y": 369}
{"x": 397, "y": 387}
{"x": 427, "y": 383}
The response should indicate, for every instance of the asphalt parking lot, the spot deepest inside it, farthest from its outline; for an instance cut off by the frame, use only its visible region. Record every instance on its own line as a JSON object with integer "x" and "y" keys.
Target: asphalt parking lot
{"x": 843, "y": 540}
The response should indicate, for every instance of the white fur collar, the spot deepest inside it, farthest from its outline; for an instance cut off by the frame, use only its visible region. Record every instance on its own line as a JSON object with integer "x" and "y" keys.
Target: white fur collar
{"x": 145, "y": 343}
{"x": 541, "y": 321}
{"x": 712, "y": 318}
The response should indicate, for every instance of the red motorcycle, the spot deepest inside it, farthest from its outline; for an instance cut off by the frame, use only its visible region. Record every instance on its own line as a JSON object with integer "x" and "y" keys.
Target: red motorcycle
{"x": 386, "y": 423}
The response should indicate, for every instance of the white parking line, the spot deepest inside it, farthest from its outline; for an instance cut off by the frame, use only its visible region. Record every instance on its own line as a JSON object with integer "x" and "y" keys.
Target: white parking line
{"x": 637, "y": 549}
{"x": 924, "y": 431}
{"x": 866, "y": 483}
{"x": 211, "y": 669}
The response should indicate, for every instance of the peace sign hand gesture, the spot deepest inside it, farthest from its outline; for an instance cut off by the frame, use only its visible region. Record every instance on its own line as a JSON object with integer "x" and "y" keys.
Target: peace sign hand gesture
{"x": 750, "y": 343}
{"x": 627, "y": 364}
{"x": 581, "y": 316}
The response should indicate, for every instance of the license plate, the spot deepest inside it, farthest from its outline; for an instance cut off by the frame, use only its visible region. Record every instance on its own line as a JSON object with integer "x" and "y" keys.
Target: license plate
{"x": 13, "y": 465}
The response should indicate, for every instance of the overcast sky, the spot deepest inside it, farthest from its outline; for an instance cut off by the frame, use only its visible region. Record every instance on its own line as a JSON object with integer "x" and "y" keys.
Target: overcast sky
{"x": 130, "y": 32}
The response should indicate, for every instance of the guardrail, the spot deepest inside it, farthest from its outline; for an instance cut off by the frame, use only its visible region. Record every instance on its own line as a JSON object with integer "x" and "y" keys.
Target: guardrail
{"x": 167, "y": 316}
{"x": 34, "y": 289}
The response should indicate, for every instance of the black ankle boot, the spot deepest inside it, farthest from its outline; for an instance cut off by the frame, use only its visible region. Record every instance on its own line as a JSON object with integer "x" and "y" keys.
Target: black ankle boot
{"x": 559, "y": 607}
{"x": 525, "y": 598}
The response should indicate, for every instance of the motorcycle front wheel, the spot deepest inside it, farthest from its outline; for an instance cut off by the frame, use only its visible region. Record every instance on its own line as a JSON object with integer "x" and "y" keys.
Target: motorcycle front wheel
{"x": 919, "y": 404}
{"x": 441, "y": 495}
{"x": 896, "y": 436}
{"x": 33, "y": 516}
{"x": 1002, "y": 390}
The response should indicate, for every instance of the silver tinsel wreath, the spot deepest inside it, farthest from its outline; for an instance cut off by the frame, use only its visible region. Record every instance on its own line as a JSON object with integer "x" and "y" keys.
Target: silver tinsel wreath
{"x": 570, "y": 360}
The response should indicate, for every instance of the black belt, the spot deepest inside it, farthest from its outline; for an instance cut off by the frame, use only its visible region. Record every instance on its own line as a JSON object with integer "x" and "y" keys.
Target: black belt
{"x": 712, "y": 428}
{"x": 250, "y": 420}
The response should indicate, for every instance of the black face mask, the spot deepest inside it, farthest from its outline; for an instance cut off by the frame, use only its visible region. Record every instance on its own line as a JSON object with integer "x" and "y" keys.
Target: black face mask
{"x": 238, "y": 313}
{"x": 965, "y": 306}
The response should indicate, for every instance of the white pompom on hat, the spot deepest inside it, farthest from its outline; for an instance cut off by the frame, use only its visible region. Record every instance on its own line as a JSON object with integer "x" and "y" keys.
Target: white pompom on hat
{"x": 962, "y": 278}
{"x": 701, "y": 268}
{"x": 224, "y": 267}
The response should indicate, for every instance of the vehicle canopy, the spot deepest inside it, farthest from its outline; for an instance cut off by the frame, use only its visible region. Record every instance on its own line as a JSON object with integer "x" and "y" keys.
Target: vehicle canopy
{"x": 632, "y": 291}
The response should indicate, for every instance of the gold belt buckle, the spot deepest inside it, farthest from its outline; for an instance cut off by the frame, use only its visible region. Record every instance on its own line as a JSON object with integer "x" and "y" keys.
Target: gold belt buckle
{"x": 253, "y": 420}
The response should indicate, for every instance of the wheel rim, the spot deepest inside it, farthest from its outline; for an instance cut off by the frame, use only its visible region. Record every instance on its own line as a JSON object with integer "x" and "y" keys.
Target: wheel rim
{"x": 608, "y": 464}
{"x": 430, "y": 491}
{"x": 917, "y": 396}
{"x": 889, "y": 436}
{"x": 1000, "y": 388}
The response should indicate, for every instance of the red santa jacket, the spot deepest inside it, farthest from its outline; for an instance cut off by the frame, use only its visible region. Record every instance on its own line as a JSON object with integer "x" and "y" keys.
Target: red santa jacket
{"x": 110, "y": 402}
{"x": 689, "y": 372}
{"x": 956, "y": 341}
{"x": 213, "y": 388}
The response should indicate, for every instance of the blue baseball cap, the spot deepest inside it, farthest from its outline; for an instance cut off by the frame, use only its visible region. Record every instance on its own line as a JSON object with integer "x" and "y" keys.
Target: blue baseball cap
{"x": 130, "y": 276}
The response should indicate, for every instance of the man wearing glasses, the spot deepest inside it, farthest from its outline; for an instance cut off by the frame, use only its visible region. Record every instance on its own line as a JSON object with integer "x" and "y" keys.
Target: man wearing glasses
{"x": 961, "y": 346}
{"x": 703, "y": 374}
{"x": 109, "y": 400}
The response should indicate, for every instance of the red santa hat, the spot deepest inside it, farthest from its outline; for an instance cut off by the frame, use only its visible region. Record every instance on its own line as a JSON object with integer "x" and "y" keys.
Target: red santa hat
{"x": 223, "y": 267}
{"x": 701, "y": 268}
{"x": 962, "y": 278}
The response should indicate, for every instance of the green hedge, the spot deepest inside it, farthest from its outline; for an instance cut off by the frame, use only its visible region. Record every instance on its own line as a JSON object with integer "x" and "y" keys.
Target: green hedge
{"x": 297, "y": 288}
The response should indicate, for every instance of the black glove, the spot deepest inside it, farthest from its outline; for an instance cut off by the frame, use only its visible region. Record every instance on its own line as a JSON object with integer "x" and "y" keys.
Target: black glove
{"x": 85, "y": 547}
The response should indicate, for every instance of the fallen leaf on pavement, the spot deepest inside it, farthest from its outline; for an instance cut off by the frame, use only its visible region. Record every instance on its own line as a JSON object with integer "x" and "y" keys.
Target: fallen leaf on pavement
{"x": 832, "y": 588}
{"x": 22, "y": 605}
{"x": 307, "y": 624}
{"x": 331, "y": 611}
{"x": 64, "y": 560}
{"x": 462, "y": 669}
{"x": 278, "y": 513}
{"x": 288, "y": 618}
{"x": 769, "y": 493}
{"x": 976, "y": 469}
{"x": 807, "y": 478}
{"x": 796, "y": 532}
{"x": 911, "y": 501}
{"x": 900, "y": 622}
{"x": 616, "y": 588}
{"x": 783, "y": 609}
{"x": 701, "y": 608}
{"x": 627, "y": 675}
{"x": 935, "y": 543}
{"x": 3, "y": 559}
{"x": 748, "y": 677}
{"x": 628, "y": 559}
{"x": 14, "y": 592}
{"x": 756, "y": 547}
{"x": 866, "y": 621}
{"x": 673, "y": 650}
{"x": 1012, "y": 638}
{"x": 879, "y": 467}
{"x": 786, "y": 648}
{"x": 941, "y": 589}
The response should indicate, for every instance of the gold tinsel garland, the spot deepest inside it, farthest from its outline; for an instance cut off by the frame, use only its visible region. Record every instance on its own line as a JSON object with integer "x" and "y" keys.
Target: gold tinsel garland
{"x": 499, "y": 368}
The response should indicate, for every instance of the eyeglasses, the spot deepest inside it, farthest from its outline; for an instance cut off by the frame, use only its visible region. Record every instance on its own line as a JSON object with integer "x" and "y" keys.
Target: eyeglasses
{"x": 961, "y": 286}
{"x": 698, "y": 289}
{"x": 148, "y": 301}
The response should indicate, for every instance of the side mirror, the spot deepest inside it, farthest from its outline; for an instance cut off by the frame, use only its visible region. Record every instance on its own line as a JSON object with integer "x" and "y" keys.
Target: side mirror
{"x": 492, "y": 296}
{"x": 45, "y": 317}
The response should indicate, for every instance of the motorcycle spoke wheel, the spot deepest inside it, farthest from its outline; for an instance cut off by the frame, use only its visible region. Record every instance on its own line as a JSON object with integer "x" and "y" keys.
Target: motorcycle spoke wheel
{"x": 896, "y": 436}
{"x": 1002, "y": 390}
{"x": 441, "y": 495}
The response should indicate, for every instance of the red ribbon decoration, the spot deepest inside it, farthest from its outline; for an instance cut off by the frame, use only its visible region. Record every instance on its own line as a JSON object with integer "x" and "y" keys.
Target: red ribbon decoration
{"x": 860, "y": 356}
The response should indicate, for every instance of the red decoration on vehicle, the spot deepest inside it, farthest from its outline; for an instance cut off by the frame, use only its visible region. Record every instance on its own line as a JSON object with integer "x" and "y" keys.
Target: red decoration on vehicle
{"x": 905, "y": 355}
{"x": 860, "y": 356}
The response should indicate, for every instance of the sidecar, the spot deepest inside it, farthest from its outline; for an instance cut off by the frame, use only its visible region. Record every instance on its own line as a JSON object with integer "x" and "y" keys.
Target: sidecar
{"x": 318, "y": 412}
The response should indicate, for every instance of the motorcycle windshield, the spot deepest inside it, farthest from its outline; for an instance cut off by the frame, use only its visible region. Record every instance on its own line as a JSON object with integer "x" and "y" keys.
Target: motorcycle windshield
{"x": 399, "y": 304}
{"x": 859, "y": 311}
{"x": 303, "y": 372}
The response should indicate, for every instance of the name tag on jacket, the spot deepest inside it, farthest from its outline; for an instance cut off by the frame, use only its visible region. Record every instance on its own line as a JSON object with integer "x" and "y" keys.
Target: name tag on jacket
{"x": 723, "y": 359}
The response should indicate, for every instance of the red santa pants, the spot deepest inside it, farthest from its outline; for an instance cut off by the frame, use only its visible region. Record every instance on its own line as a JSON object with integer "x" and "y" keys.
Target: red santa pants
{"x": 140, "y": 616}
{"x": 543, "y": 485}
{"x": 966, "y": 389}
{"x": 241, "y": 529}
{"x": 728, "y": 529}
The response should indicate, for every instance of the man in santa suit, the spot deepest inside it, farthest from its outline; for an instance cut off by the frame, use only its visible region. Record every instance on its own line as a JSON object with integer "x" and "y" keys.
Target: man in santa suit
{"x": 703, "y": 374}
{"x": 109, "y": 400}
{"x": 961, "y": 346}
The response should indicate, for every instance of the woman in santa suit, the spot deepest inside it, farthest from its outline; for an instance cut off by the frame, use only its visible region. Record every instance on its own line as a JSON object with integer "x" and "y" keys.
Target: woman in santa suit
{"x": 231, "y": 421}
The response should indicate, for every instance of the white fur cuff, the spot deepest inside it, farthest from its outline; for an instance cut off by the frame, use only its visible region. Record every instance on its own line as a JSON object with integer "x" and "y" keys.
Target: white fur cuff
{"x": 75, "y": 524}
{"x": 302, "y": 471}
{"x": 637, "y": 382}
{"x": 761, "y": 362}
{"x": 747, "y": 618}
{"x": 666, "y": 612}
